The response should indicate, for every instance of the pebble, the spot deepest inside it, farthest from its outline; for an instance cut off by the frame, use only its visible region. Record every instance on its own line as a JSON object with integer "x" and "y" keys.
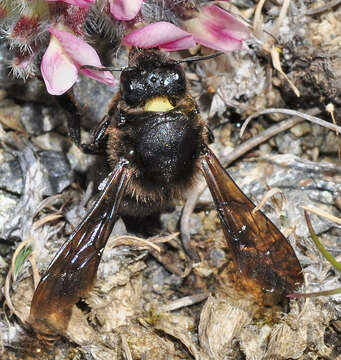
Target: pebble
{"x": 37, "y": 119}
{"x": 11, "y": 177}
{"x": 301, "y": 129}
{"x": 57, "y": 169}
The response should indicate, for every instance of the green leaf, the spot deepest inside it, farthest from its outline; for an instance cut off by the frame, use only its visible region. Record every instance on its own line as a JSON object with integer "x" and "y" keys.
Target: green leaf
{"x": 20, "y": 259}
{"x": 327, "y": 255}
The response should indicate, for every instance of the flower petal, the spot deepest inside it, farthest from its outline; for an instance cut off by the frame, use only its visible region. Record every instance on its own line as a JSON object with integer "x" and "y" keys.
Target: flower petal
{"x": 217, "y": 29}
{"x": 58, "y": 70}
{"x": 162, "y": 34}
{"x": 82, "y": 53}
{"x": 125, "y": 9}
{"x": 80, "y": 3}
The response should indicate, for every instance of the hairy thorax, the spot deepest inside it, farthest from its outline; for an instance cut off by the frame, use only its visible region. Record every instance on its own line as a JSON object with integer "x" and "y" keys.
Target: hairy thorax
{"x": 163, "y": 146}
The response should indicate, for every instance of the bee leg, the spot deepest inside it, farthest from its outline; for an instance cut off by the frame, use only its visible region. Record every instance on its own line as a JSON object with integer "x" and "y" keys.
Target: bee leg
{"x": 98, "y": 138}
{"x": 97, "y": 143}
{"x": 210, "y": 135}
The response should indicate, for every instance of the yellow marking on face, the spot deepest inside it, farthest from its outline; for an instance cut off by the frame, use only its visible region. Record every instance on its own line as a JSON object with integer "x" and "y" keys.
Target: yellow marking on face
{"x": 158, "y": 104}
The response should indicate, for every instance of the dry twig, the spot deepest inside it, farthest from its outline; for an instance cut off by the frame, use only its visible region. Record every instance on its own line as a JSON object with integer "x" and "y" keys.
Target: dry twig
{"x": 322, "y": 213}
{"x": 183, "y": 302}
{"x": 125, "y": 347}
{"x": 135, "y": 241}
{"x": 308, "y": 117}
{"x": 11, "y": 275}
{"x": 269, "y": 44}
{"x": 323, "y": 8}
{"x": 269, "y": 194}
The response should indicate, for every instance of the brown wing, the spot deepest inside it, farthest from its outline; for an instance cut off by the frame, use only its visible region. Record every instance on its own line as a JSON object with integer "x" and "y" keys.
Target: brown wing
{"x": 259, "y": 249}
{"x": 73, "y": 270}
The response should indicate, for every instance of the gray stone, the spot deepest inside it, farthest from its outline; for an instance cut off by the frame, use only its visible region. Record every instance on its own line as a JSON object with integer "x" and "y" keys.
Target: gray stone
{"x": 93, "y": 98}
{"x": 38, "y": 119}
{"x": 217, "y": 257}
{"x": 51, "y": 141}
{"x": 287, "y": 145}
{"x": 32, "y": 89}
{"x": 11, "y": 177}
{"x": 8, "y": 203}
{"x": 301, "y": 129}
{"x": 56, "y": 167}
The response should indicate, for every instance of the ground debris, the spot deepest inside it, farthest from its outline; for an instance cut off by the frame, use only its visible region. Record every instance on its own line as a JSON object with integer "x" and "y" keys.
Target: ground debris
{"x": 152, "y": 301}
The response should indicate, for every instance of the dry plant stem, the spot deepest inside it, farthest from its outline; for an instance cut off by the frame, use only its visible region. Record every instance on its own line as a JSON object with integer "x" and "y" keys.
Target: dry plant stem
{"x": 230, "y": 158}
{"x": 185, "y": 301}
{"x": 10, "y": 275}
{"x": 269, "y": 43}
{"x": 46, "y": 219}
{"x": 306, "y": 116}
{"x": 125, "y": 348}
{"x": 35, "y": 271}
{"x": 258, "y": 19}
{"x": 185, "y": 221}
{"x": 265, "y": 135}
{"x": 282, "y": 15}
{"x": 276, "y": 62}
{"x": 269, "y": 194}
{"x": 322, "y": 213}
{"x": 164, "y": 239}
{"x": 47, "y": 202}
{"x": 319, "y": 293}
{"x": 323, "y": 8}
{"x": 135, "y": 241}
{"x": 330, "y": 109}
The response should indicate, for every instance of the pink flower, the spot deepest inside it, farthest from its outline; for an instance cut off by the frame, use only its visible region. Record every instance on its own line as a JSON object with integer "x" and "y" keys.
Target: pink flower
{"x": 63, "y": 58}
{"x": 80, "y": 3}
{"x": 162, "y": 34}
{"x": 217, "y": 29}
{"x": 125, "y": 9}
{"x": 212, "y": 27}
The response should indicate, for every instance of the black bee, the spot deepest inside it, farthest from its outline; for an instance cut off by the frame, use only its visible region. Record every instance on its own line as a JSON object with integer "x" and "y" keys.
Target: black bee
{"x": 157, "y": 143}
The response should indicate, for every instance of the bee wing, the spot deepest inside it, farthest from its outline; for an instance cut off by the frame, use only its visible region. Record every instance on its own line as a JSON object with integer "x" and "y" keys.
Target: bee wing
{"x": 260, "y": 251}
{"x": 73, "y": 270}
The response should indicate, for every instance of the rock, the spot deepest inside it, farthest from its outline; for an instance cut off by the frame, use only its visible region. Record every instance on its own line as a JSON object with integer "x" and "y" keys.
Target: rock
{"x": 93, "y": 98}
{"x": 287, "y": 145}
{"x": 32, "y": 89}
{"x": 330, "y": 144}
{"x": 38, "y": 119}
{"x": 10, "y": 115}
{"x": 57, "y": 168}
{"x": 11, "y": 176}
{"x": 8, "y": 203}
{"x": 300, "y": 129}
{"x": 51, "y": 141}
{"x": 217, "y": 257}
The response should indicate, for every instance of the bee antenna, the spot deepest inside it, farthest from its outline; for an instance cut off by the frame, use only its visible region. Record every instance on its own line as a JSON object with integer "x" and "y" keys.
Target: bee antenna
{"x": 198, "y": 58}
{"x": 103, "y": 68}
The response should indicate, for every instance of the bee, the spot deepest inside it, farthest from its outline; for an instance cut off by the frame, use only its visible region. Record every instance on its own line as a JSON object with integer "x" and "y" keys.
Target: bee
{"x": 157, "y": 143}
